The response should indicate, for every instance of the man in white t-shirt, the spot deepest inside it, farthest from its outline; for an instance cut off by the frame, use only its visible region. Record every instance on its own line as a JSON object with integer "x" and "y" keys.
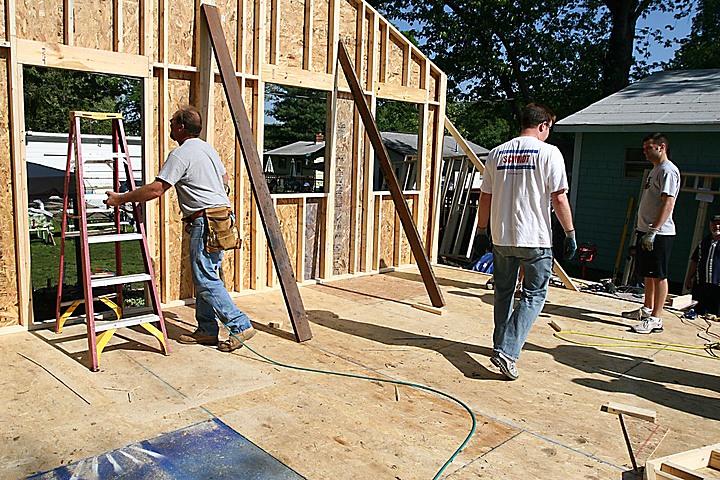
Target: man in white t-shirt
{"x": 523, "y": 179}
{"x": 198, "y": 174}
{"x": 655, "y": 233}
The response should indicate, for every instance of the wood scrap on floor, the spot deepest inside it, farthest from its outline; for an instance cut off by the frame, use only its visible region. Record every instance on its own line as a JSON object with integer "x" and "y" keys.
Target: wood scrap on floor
{"x": 700, "y": 463}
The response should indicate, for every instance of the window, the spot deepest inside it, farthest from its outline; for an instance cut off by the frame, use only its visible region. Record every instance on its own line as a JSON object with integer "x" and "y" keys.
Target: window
{"x": 635, "y": 162}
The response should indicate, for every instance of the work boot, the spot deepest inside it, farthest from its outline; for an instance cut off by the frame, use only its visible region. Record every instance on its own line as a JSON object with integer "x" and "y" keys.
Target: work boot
{"x": 638, "y": 314}
{"x": 648, "y": 325}
{"x": 198, "y": 338}
{"x": 506, "y": 366}
{"x": 233, "y": 343}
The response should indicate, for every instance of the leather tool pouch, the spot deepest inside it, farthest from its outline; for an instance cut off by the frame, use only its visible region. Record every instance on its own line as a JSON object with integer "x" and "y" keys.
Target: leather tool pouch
{"x": 222, "y": 232}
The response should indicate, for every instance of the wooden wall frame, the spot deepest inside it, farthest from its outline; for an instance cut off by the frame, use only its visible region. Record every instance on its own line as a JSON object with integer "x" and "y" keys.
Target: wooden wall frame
{"x": 287, "y": 43}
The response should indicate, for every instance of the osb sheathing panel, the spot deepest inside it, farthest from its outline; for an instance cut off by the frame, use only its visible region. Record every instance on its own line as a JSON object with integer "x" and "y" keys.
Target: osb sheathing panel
{"x": 344, "y": 165}
{"x": 180, "y": 283}
{"x": 246, "y": 215}
{"x": 249, "y": 35}
{"x": 313, "y": 236}
{"x": 131, "y": 27}
{"x": 427, "y": 192}
{"x": 93, "y": 21}
{"x": 181, "y": 21}
{"x": 348, "y": 25}
{"x": 3, "y": 32}
{"x": 292, "y": 25}
{"x": 154, "y": 51}
{"x": 405, "y": 252}
{"x": 394, "y": 61}
{"x": 246, "y": 218}
{"x": 227, "y": 9}
{"x": 387, "y": 232}
{"x": 359, "y": 169}
{"x": 269, "y": 29}
{"x": 8, "y": 268}
{"x": 366, "y": 72}
{"x": 40, "y": 20}
{"x": 414, "y": 72}
{"x": 287, "y": 212}
{"x": 319, "y": 35}
{"x": 154, "y": 229}
{"x": 224, "y": 143}
{"x": 433, "y": 87}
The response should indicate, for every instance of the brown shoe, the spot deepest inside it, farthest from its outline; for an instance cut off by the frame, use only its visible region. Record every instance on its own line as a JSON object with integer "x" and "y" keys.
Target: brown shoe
{"x": 232, "y": 343}
{"x": 197, "y": 338}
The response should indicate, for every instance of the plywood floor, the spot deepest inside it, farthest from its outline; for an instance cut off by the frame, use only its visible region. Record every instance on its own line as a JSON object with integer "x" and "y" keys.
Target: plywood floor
{"x": 546, "y": 425}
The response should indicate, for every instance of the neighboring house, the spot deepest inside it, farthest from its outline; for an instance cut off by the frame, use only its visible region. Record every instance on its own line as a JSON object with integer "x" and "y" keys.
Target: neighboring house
{"x": 609, "y": 164}
{"x": 299, "y": 166}
{"x": 296, "y": 167}
{"x": 46, "y": 155}
{"x": 402, "y": 149}
{"x": 459, "y": 187}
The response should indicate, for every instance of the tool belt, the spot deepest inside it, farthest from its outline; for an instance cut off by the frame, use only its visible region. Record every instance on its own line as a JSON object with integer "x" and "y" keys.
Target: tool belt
{"x": 222, "y": 230}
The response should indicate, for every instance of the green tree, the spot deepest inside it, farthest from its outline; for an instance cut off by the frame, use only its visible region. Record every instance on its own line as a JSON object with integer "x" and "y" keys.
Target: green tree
{"x": 506, "y": 54}
{"x": 392, "y": 116}
{"x": 50, "y": 94}
{"x": 300, "y": 114}
{"x": 701, "y": 49}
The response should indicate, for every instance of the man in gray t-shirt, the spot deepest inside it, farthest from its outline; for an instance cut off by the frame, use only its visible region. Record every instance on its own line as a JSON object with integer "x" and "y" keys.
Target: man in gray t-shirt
{"x": 196, "y": 171}
{"x": 655, "y": 233}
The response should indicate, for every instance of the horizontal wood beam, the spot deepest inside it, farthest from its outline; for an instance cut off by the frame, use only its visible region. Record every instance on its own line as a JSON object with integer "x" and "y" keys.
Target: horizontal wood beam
{"x": 390, "y": 91}
{"x": 297, "y": 77}
{"x": 42, "y": 54}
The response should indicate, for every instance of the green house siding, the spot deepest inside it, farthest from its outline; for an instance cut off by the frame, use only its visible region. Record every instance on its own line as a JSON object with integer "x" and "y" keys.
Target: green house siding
{"x": 603, "y": 193}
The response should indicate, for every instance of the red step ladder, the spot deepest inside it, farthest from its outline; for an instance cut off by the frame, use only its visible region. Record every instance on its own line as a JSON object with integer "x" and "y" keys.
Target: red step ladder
{"x": 102, "y": 326}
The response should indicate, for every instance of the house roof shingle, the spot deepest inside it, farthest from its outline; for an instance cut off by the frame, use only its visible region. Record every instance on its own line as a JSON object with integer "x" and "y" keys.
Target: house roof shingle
{"x": 669, "y": 100}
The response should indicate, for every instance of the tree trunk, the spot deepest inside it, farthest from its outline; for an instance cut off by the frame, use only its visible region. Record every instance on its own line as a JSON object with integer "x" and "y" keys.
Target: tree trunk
{"x": 619, "y": 56}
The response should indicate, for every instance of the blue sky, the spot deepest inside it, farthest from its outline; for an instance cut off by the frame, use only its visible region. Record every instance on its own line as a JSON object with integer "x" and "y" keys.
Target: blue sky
{"x": 660, "y": 20}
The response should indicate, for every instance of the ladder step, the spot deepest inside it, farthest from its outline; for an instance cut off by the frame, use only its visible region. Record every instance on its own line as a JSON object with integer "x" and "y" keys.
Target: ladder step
{"x": 101, "y": 157}
{"x": 93, "y": 233}
{"x": 127, "y": 322}
{"x": 119, "y": 280}
{"x": 105, "y": 224}
{"x": 117, "y": 237}
{"x": 95, "y": 299}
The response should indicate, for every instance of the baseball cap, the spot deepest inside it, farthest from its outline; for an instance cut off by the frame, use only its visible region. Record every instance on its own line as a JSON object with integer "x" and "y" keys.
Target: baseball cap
{"x": 715, "y": 218}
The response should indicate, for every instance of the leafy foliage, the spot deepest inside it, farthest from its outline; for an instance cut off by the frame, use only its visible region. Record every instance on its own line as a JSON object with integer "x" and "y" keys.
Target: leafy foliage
{"x": 500, "y": 55}
{"x": 702, "y": 48}
{"x": 50, "y": 94}
{"x": 397, "y": 116}
{"x": 300, "y": 114}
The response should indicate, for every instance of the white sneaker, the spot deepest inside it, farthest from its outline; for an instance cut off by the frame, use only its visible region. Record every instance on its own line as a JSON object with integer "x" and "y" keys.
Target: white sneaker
{"x": 648, "y": 325}
{"x": 638, "y": 314}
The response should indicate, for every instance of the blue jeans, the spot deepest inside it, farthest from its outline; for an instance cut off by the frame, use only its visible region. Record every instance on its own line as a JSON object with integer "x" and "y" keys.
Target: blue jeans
{"x": 512, "y": 326}
{"x": 212, "y": 300}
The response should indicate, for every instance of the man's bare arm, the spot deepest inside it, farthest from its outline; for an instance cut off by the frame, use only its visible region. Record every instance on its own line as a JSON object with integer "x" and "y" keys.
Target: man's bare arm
{"x": 143, "y": 194}
{"x": 484, "y": 209}
{"x": 561, "y": 204}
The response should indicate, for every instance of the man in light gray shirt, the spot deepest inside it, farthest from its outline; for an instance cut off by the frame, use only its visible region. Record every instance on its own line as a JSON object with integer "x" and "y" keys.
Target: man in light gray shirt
{"x": 655, "y": 233}
{"x": 196, "y": 171}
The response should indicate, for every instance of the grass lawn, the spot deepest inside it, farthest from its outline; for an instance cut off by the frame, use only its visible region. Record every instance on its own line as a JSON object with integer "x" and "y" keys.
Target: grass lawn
{"x": 44, "y": 267}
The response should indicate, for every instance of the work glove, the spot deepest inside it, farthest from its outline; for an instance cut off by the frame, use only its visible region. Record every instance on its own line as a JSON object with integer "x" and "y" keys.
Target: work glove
{"x": 647, "y": 241}
{"x": 481, "y": 244}
{"x": 569, "y": 245}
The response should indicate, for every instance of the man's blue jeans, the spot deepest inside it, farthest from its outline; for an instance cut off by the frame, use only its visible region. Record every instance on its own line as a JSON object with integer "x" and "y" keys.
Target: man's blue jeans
{"x": 512, "y": 326}
{"x": 211, "y": 297}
